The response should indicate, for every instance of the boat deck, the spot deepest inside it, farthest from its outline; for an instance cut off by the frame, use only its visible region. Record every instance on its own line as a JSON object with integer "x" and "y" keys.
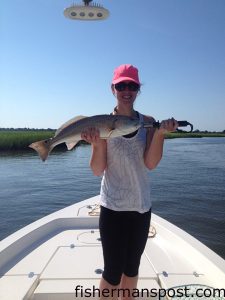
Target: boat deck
{"x": 50, "y": 258}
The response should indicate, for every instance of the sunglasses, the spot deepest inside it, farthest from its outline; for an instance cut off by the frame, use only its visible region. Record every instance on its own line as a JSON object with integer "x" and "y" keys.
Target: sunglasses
{"x": 132, "y": 86}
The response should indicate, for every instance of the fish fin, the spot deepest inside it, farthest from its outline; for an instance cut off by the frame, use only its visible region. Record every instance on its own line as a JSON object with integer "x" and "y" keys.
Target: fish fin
{"x": 111, "y": 131}
{"x": 113, "y": 127}
{"x": 108, "y": 135}
{"x": 73, "y": 120}
{"x": 43, "y": 148}
{"x": 71, "y": 145}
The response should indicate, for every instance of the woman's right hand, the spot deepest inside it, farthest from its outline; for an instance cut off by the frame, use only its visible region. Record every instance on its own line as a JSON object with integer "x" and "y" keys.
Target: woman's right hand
{"x": 98, "y": 160}
{"x": 91, "y": 135}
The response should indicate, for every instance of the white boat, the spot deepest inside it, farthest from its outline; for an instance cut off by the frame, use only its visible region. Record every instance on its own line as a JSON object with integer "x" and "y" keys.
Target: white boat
{"x": 51, "y": 257}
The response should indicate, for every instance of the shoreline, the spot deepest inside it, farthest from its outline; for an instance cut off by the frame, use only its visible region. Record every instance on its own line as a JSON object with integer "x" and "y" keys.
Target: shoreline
{"x": 17, "y": 140}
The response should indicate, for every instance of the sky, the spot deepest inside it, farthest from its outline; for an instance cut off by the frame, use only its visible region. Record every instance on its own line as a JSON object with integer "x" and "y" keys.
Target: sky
{"x": 53, "y": 68}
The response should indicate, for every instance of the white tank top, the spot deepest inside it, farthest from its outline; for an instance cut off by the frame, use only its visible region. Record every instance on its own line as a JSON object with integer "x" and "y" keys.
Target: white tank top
{"x": 126, "y": 184}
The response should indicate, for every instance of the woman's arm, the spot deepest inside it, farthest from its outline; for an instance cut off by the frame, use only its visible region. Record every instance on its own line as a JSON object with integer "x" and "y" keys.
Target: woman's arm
{"x": 98, "y": 160}
{"x": 155, "y": 141}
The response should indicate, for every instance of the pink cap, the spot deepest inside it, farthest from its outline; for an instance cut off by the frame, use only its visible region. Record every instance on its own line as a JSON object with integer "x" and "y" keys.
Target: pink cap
{"x": 125, "y": 72}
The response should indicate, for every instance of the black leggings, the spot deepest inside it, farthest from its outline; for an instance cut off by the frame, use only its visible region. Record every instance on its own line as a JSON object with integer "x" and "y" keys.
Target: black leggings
{"x": 123, "y": 235}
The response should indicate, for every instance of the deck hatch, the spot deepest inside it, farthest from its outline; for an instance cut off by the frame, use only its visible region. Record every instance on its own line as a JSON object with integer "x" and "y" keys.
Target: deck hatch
{"x": 67, "y": 263}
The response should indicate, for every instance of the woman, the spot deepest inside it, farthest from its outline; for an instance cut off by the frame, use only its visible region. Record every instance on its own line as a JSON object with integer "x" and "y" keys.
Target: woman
{"x": 125, "y": 190}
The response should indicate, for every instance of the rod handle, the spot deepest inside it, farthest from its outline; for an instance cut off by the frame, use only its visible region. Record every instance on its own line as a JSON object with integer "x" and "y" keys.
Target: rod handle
{"x": 180, "y": 124}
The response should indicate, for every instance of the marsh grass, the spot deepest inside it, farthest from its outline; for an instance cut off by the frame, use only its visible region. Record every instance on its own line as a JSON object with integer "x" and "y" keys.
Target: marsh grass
{"x": 11, "y": 140}
{"x": 173, "y": 135}
{"x": 20, "y": 140}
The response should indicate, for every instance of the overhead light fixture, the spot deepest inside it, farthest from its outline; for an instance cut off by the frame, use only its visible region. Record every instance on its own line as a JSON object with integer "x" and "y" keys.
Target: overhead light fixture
{"x": 86, "y": 12}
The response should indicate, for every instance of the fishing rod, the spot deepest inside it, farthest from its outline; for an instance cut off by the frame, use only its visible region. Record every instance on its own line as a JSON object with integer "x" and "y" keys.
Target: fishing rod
{"x": 180, "y": 124}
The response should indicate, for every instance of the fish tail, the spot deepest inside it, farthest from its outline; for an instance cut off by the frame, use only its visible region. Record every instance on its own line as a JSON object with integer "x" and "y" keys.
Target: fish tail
{"x": 43, "y": 148}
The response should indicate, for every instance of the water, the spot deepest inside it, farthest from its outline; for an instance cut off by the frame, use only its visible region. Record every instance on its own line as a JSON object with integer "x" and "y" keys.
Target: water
{"x": 188, "y": 187}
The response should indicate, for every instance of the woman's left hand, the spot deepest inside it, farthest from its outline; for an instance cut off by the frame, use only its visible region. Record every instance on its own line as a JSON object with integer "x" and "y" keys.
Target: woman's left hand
{"x": 168, "y": 125}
